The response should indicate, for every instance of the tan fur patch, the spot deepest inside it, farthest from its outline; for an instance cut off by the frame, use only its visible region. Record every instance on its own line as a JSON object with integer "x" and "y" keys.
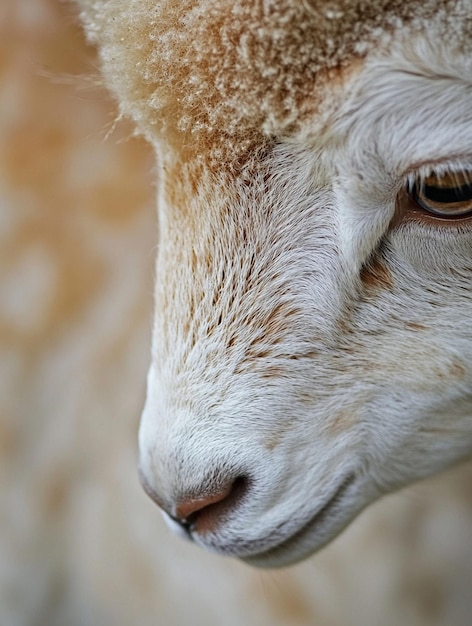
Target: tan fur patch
{"x": 341, "y": 422}
{"x": 416, "y": 326}
{"x": 376, "y": 275}
{"x": 455, "y": 371}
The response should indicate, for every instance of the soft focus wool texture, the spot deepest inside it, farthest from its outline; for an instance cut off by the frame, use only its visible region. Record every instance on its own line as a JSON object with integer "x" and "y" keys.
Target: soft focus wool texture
{"x": 80, "y": 543}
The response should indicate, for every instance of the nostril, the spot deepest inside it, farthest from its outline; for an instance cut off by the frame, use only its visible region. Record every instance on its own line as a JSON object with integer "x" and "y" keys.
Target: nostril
{"x": 188, "y": 507}
{"x": 204, "y": 509}
{"x": 205, "y": 512}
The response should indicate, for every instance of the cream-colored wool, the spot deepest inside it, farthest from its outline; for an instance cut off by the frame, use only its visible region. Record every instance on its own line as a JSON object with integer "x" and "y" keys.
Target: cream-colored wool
{"x": 217, "y": 79}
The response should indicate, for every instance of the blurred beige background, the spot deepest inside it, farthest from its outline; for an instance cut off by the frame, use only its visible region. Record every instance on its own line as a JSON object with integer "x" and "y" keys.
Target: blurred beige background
{"x": 80, "y": 544}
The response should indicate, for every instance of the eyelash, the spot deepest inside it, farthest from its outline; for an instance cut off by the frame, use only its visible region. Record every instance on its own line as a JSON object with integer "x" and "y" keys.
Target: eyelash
{"x": 419, "y": 174}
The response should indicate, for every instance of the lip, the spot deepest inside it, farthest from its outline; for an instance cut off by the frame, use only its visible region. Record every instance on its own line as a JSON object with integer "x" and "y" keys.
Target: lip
{"x": 286, "y": 552}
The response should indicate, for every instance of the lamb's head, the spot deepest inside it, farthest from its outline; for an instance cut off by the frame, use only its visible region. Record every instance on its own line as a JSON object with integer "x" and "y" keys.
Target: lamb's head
{"x": 313, "y": 333}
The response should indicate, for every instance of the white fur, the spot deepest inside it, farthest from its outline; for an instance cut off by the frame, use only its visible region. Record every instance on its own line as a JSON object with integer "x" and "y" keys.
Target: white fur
{"x": 395, "y": 362}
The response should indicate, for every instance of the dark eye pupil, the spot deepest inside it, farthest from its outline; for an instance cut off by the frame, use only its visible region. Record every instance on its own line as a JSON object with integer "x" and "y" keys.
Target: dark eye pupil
{"x": 446, "y": 195}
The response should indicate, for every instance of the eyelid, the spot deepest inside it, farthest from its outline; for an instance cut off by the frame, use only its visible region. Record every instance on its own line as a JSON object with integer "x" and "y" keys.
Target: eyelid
{"x": 408, "y": 211}
{"x": 421, "y": 171}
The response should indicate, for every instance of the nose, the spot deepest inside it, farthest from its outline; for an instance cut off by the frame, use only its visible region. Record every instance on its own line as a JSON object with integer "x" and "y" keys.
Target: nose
{"x": 187, "y": 509}
{"x": 206, "y": 508}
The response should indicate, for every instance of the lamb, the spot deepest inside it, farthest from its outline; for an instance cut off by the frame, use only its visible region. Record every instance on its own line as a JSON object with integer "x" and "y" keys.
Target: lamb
{"x": 312, "y": 335}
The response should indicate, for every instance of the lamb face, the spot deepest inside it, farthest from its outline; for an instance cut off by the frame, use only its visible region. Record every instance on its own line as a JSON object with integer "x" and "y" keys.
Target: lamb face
{"x": 312, "y": 337}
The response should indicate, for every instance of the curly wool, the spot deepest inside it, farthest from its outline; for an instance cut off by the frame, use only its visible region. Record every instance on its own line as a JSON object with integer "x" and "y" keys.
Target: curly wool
{"x": 219, "y": 78}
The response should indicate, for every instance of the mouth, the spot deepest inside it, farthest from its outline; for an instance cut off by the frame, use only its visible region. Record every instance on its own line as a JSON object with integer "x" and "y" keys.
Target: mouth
{"x": 327, "y": 522}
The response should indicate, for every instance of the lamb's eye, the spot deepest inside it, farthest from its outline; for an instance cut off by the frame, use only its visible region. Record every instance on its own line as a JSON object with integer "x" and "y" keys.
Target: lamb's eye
{"x": 447, "y": 195}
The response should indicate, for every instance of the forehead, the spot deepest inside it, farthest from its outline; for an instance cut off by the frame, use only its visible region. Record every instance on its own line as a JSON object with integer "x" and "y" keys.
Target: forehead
{"x": 221, "y": 77}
